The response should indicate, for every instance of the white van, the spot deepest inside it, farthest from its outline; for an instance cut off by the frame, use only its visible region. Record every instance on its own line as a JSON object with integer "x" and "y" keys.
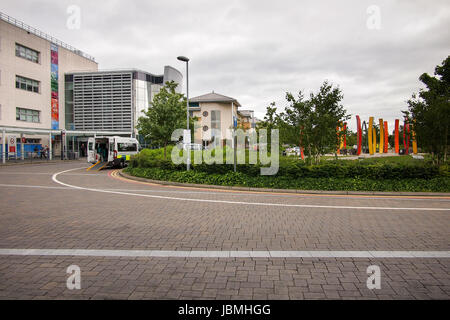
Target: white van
{"x": 111, "y": 151}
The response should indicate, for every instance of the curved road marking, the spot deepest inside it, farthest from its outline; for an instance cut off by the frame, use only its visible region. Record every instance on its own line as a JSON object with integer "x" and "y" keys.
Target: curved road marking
{"x": 114, "y": 175}
{"x": 54, "y": 178}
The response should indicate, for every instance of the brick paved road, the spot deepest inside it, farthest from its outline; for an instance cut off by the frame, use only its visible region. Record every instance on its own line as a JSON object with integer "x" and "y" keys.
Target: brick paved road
{"x": 38, "y": 213}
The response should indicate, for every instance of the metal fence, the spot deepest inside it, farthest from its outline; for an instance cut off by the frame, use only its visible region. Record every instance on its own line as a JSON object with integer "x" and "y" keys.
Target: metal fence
{"x": 38, "y": 156}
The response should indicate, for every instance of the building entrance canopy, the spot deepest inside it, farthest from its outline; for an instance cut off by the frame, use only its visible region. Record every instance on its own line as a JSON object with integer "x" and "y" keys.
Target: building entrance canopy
{"x": 51, "y": 132}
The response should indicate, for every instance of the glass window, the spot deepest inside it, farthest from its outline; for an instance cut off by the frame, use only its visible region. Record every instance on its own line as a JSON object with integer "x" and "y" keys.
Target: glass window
{"x": 28, "y": 115}
{"x": 215, "y": 119}
{"x": 215, "y": 125}
{"x": 123, "y": 147}
{"x": 27, "y": 53}
{"x": 27, "y": 84}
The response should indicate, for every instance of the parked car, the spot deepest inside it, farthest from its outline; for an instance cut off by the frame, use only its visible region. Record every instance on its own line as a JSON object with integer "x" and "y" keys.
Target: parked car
{"x": 192, "y": 146}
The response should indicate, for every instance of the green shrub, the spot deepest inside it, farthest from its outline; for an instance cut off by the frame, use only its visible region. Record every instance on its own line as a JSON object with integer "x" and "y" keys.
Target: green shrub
{"x": 436, "y": 184}
{"x": 294, "y": 169}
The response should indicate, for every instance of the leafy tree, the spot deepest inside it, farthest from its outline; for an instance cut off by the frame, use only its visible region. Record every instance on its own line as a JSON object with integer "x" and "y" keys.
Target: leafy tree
{"x": 352, "y": 139}
{"x": 429, "y": 112}
{"x": 166, "y": 113}
{"x": 271, "y": 121}
{"x": 312, "y": 122}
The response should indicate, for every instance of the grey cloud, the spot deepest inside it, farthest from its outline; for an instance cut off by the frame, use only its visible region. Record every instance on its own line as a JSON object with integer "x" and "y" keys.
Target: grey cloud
{"x": 255, "y": 50}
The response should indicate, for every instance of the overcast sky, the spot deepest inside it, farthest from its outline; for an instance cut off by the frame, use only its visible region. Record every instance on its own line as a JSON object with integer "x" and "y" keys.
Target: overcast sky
{"x": 257, "y": 50}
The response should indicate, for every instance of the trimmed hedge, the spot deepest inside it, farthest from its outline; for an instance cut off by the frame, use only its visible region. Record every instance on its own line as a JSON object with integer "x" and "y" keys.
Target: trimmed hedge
{"x": 355, "y": 175}
{"x": 298, "y": 169}
{"x": 436, "y": 184}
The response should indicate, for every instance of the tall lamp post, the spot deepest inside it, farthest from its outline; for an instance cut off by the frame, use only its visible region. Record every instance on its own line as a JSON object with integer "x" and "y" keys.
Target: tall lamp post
{"x": 185, "y": 59}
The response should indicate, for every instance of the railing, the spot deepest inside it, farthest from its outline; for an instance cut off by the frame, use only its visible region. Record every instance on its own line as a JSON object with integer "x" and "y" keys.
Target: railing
{"x": 43, "y": 35}
{"x": 38, "y": 156}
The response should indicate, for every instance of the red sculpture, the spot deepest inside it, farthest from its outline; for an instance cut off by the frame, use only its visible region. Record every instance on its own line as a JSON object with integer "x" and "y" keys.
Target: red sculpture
{"x": 397, "y": 142}
{"x": 386, "y": 137}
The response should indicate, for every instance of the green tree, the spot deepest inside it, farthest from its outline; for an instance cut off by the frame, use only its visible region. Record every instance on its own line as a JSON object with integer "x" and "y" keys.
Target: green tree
{"x": 429, "y": 112}
{"x": 271, "y": 121}
{"x": 166, "y": 113}
{"x": 312, "y": 122}
{"x": 351, "y": 138}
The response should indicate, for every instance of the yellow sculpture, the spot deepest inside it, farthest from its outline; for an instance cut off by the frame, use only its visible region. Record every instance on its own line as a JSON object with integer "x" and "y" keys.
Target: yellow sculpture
{"x": 369, "y": 135}
{"x": 374, "y": 140}
{"x": 414, "y": 142}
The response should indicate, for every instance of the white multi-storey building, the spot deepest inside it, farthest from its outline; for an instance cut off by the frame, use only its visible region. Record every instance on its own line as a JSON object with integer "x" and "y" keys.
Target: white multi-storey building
{"x": 32, "y": 68}
{"x": 53, "y": 94}
{"x": 112, "y": 100}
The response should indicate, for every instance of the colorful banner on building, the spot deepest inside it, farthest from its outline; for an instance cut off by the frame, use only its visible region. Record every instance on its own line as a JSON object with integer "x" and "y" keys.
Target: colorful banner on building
{"x": 54, "y": 85}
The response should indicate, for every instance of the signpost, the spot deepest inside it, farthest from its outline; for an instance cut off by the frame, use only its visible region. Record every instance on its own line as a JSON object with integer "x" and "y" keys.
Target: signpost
{"x": 187, "y": 144}
{"x": 12, "y": 143}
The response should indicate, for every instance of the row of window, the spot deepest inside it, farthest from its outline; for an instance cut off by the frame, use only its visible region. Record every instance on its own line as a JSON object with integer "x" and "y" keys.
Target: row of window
{"x": 27, "y": 53}
{"x": 28, "y": 115}
{"x": 27, "y": 84}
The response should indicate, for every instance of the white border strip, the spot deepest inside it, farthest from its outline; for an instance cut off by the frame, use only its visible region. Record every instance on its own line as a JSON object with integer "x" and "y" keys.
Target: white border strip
{"x": 268, "y": 204}
{"x": 243, "y": 193}
{"x": 224, "y": 254}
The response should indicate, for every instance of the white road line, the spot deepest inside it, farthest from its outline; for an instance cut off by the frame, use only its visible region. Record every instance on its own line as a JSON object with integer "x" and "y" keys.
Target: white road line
{"x": 54, "y": 178}
{"x": 297, "y": 196}
{"x": 224, "y": 254}
{"x": 51, "y": 173}
{"x": 31, "y": 186}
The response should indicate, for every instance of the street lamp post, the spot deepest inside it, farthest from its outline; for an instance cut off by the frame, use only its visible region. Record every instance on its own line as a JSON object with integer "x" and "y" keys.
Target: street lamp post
{"x": 185, "y": 59}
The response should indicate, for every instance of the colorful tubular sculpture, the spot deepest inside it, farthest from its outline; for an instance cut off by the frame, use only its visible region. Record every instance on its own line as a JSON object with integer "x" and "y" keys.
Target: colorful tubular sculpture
{"x": 370, "y": 138}
{"x": 414, "y": 141}
{"x": 406, "y": 131}
{"x": 374, "y": 140}
{"x": 397, "y": 142}
{"x": 338, "y": 151}
{"x": 344, "y": 139}
{"x": 359, "y": 134}
{"x": 406, "y": 136}
{"x": 381, "y": 148}
{"x": 386, "y": 137}
{"x": 302, "y": 154}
